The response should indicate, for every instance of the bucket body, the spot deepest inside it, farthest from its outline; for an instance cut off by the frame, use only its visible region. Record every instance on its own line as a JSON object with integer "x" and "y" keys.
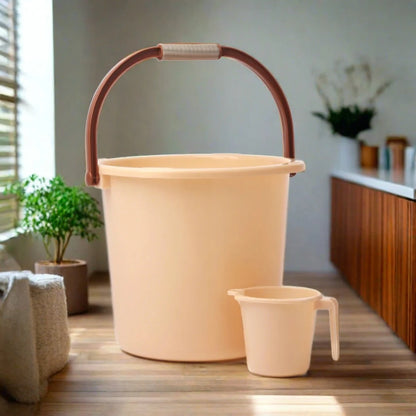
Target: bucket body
{"x": 279, "y": 325}
{"x": 179, "y": 235}
{"x": 182, "y": 229}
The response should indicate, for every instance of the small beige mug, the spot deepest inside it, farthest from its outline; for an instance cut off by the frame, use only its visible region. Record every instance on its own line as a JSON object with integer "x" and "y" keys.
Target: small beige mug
{"x": 279, "y": 326}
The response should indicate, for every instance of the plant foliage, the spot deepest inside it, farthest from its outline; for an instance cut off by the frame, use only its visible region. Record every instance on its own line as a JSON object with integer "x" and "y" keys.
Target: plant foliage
{"x": 56, "y": 212}
{"x": 348, "y": 121}
{"x": 349, "y": 95}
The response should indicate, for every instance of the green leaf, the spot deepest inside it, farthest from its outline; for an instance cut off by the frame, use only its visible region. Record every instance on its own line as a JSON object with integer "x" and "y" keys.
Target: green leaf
{"x": 320, "y": 115}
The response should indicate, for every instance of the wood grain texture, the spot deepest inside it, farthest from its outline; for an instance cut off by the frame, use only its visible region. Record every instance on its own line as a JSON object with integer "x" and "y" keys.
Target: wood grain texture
{"x": 376, "y": 374}
{"x": 373, "y": 245}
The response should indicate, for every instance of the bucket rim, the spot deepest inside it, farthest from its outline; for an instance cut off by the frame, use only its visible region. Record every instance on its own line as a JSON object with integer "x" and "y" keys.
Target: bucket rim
{"x": 239, "y": 295}
{"x": 282, "y": 165}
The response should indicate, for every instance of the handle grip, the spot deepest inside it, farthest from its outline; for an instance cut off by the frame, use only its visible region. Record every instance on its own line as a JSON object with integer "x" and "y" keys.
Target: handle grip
{"x": 331, "y": 305}
{"x": 189, "y": 51}
{"x": 180, "y": 51}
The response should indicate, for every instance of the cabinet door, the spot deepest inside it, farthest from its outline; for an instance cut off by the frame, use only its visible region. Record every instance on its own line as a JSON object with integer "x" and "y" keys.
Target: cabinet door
{"x": 373, "y": 245}
{"x": 398, "y": 297}
{"x": 346, "y": 229}
{"x": 389, "y": 254}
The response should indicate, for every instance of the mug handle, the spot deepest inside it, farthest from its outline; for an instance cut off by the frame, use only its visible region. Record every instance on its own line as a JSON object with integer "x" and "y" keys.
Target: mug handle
{"x": 331, "y": 305}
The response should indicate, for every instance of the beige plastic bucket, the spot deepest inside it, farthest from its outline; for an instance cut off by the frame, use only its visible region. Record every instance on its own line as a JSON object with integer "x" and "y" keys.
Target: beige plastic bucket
{"x": 279, "y": 325}
{"x": 182, "y": 229}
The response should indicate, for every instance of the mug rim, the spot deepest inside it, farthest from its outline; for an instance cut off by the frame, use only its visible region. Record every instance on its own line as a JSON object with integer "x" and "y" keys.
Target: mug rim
{"x": 315, "y": 294}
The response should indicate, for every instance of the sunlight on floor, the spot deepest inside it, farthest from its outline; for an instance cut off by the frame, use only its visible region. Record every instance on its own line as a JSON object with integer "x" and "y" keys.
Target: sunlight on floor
{"x": 294, "y": 404}
{"x": 77, "y": 332}
{"x": 109, "y": 348}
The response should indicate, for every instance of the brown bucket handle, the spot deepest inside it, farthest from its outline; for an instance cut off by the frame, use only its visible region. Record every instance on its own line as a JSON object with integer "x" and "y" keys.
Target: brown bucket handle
{"x": 178, "y": 51}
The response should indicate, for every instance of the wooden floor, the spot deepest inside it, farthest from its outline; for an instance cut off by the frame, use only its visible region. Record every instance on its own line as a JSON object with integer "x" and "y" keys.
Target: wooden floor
{"x": 376, "y": 374}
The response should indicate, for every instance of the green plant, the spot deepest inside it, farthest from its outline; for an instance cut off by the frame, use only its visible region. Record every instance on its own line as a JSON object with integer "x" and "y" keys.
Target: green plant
{"x": 348, "y": 121}
{"x": 56, "y": 212}
{"x": 349, "y": 98}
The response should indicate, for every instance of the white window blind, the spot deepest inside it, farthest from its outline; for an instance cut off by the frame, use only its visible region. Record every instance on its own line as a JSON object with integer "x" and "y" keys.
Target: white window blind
{"x": 8, "y": 123}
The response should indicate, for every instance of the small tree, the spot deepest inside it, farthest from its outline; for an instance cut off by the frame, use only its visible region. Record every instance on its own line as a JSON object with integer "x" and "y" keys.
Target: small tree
{"x": 56, "y": 212}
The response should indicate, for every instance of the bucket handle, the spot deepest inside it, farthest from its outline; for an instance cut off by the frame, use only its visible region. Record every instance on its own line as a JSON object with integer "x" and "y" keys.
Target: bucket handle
{"x": 331, "y": 305}
{"x": 180, "y": 51}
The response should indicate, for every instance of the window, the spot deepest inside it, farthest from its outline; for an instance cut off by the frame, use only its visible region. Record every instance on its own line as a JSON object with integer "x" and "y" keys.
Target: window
{"x": 35, "y": 78}
{"x": 8, "y": 99}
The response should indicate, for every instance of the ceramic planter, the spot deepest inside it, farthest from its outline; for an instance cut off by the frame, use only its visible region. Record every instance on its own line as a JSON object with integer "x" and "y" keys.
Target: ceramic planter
{"x": 75, "y": 277}
{"x": 348, "y": 153}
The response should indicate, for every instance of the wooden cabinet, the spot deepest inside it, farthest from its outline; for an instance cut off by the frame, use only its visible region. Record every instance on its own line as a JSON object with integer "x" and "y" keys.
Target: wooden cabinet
{"x": 373, "y": 245}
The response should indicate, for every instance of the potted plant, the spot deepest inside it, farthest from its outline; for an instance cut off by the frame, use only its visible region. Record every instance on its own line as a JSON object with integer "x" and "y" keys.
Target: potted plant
{"x": 349, "y": 96}
{"x": 57, "y": 212}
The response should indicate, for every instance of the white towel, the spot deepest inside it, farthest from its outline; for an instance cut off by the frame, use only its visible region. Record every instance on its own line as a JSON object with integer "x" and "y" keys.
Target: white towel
{"x": 34, "y": 337}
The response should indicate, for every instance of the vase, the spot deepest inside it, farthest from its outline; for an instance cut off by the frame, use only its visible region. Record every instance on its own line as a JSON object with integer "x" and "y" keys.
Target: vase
{"x": 348, "y": 153}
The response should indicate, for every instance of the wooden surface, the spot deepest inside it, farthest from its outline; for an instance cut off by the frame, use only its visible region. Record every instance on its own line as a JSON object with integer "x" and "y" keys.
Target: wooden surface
{"x": 373, "y": 245}
{"x": 376, "y": 374}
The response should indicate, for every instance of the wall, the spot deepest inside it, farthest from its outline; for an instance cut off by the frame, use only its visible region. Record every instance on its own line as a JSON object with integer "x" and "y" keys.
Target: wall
{"x": 175, "y": 107}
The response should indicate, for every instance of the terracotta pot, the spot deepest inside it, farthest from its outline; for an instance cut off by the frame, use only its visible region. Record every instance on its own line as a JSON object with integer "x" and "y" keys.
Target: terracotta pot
{"x": 396, "y": 155}
{"x": 396, "y": 146}
{"x": 75, "y": 277}
{"x": 369, "y": 156}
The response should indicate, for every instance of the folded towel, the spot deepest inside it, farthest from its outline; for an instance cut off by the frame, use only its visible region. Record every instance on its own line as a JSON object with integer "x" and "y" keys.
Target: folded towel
{"x": 34, "y": 337}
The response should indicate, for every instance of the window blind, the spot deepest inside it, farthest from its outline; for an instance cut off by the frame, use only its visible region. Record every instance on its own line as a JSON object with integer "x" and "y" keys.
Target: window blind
{"x": 8, "y": 111}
